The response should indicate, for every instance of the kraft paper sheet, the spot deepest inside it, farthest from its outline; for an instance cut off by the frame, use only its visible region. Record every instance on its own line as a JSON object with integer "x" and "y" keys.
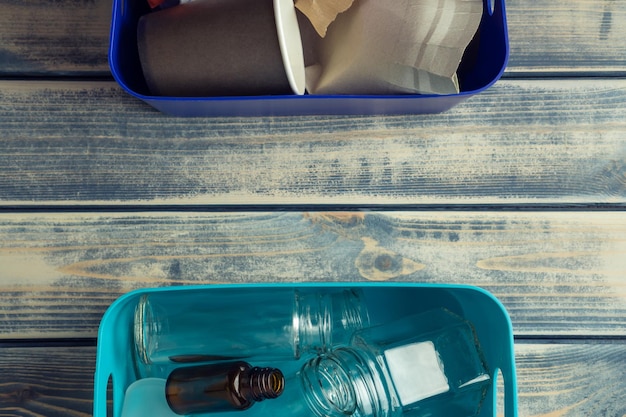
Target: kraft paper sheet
{"x": 321, "y": 13}
{"x": 394, "y": 47}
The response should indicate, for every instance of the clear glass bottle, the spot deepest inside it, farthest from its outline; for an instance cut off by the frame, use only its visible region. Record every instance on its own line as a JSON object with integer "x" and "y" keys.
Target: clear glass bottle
{"x": 428, "y": 364}
{"x": 171, "y": 329}
{"x": 225, "y": 386}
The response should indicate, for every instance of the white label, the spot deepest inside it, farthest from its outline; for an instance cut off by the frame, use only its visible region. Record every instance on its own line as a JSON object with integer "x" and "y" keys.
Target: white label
{"x": 417, "y": 372}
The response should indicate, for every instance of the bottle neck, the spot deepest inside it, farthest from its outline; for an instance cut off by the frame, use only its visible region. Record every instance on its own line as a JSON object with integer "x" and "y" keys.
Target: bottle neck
{"x": 321, "y": 321}
{"x": 258, "y": 384}
{"x": 346, "y": 382}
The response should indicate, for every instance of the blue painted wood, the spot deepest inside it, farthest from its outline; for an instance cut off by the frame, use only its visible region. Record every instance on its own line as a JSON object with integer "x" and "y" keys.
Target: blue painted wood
{"x": 557, "y": 273}
{"x": 520, "y": 142}
{"x": 574, "y": 38}
{"x": 54, "y": 38}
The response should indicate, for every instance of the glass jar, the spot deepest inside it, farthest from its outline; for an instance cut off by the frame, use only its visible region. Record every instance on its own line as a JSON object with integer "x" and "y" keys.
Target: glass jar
{"x": 235, "y": 323}
{"x": 428, "y": 364}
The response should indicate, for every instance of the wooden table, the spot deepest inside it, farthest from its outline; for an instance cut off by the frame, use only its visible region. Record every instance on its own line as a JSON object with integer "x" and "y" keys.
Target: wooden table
{"x": 520, "y": 190}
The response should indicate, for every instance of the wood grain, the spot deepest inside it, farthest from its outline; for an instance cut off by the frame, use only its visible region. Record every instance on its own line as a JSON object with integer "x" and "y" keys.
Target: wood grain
{"x": 571, "y": 380}
{"x": 521, "y": 142}
{"x": 557, "y": 273}
{"x": 54, "y": 38}
{"x": 67, "y": 37}
{"x": 553, "y": 380}
{"x": 582, "y": 37}
{"x": 47, "y": 381}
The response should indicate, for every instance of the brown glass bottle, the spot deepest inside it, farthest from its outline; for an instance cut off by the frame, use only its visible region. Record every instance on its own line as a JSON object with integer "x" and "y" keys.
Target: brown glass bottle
{"x": 221, "y": 387}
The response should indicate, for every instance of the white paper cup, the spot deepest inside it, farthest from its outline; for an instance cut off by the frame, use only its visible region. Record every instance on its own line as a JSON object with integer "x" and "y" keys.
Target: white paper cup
{"x": 208, "y": 48}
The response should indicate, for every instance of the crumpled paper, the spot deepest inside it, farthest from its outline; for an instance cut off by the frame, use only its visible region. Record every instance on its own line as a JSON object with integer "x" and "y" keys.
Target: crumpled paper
{"x": 321, "y": 13}
{"x": 394, "y": 47}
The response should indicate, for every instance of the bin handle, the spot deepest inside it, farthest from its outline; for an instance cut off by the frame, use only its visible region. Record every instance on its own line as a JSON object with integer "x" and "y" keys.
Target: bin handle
{"x": 507, "y": 370}
{"x": 104, "y": 373}
{"x": 494, "y": 9}
{"x": 100, "y": 393}
{"x": 510, "y": 394}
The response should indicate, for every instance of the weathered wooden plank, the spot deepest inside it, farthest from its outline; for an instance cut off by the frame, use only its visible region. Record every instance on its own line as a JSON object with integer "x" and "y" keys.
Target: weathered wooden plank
{"x": 47, "y": 381}
{"x": 522, "y": 141}
{"x": 576, "y": 37}
{"x": 571, "y": 380}
{"x": 557, "y": 273}
{"x": 40, "y": 37}
{"x": 554, "y": 380}
{"x": 64, "y": 37}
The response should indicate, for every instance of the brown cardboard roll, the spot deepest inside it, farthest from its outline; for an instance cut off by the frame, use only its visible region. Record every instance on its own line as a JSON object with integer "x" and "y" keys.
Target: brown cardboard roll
{"x": 222, "y": 48}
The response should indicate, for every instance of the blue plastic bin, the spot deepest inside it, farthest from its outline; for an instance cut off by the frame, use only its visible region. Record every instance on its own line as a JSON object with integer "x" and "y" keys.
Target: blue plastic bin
{"x": 490, "y": 54}
{"x": 490, "y": 319}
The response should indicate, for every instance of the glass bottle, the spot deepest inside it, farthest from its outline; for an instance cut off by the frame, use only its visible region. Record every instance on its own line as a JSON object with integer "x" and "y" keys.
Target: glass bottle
{"x": 226, "y": 386}
{"x": 236, "y": 323}
{"x": 428, "y": 364}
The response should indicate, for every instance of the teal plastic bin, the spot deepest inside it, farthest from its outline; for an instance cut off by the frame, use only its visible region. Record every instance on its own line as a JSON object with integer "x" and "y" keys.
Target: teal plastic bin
{"x": 492, "y": 324}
